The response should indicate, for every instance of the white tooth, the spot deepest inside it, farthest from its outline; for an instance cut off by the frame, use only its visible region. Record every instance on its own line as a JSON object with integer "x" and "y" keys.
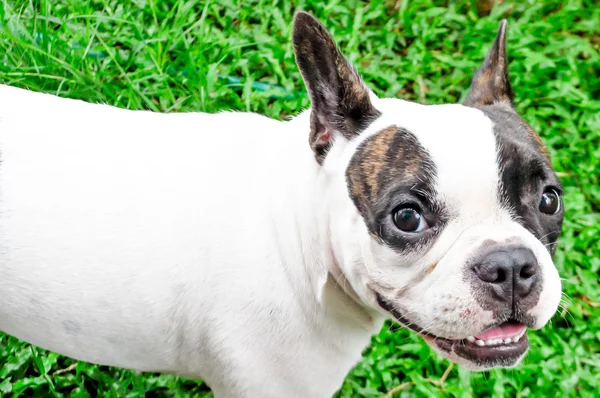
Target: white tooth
{"x": 491, "y": 342}
{"x": 516, "y": 340}
{"x": 471, "y": 339}
{"x": 508, "y": 341}
{"x": 480, "y": 343}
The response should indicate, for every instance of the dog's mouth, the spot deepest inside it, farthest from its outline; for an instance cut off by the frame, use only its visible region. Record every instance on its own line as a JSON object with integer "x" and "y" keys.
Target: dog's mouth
{"x": 501, "y": 345}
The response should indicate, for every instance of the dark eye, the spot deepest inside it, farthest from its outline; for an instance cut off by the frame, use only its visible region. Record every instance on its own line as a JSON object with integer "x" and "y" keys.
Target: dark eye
{"x": 409, "y": 219}
{"x": 550, "y": 203}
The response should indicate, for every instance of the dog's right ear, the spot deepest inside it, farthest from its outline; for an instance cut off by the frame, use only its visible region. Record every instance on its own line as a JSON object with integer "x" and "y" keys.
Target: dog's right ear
{"x": 340, "y": 100}
{"x": 491, "y": 84}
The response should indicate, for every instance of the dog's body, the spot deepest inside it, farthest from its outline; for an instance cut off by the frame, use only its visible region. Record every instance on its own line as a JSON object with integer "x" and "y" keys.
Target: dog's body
{"x": 174, "y": 250}
{"x": 223, "y": 247}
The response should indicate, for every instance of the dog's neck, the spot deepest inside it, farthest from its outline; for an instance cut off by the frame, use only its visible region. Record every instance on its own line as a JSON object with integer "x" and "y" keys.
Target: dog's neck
{"x": 321, "y": 273}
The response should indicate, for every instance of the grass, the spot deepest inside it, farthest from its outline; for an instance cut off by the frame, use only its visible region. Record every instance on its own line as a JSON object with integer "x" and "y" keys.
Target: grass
{"x": 180, "y": 55}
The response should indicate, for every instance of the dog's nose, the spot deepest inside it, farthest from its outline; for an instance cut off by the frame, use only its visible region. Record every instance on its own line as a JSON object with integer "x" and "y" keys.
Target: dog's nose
{"x": 511, "y": 271}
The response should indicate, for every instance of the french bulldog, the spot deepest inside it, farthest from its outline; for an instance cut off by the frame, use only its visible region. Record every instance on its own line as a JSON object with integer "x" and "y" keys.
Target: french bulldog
{"x": 261, "y": 255}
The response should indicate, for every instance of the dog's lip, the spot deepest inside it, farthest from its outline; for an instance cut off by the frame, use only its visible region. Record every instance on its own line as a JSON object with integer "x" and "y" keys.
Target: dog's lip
{"x": 504, "y": 340}
{"x": 383, "y": 303}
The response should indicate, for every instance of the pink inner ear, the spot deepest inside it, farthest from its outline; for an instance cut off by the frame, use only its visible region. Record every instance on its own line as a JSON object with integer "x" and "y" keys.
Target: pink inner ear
{"x": 323, "y": 139}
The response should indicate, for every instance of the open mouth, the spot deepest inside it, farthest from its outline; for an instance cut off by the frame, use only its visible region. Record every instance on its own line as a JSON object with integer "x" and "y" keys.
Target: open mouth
{"x": 501, "y": 345}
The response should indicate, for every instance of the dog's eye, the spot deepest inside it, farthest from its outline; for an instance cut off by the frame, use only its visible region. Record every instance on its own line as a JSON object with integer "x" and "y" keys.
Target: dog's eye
{"x": 409, "y": 219}
{"x": 550, "y": 203}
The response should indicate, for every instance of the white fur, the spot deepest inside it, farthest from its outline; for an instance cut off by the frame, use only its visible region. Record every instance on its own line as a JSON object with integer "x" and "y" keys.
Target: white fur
{"x": 214, "y": 246}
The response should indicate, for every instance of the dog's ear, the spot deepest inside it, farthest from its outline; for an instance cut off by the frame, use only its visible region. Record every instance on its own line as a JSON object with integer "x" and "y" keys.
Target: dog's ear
{"x": 490, "y": 84}
{"x": 340, "y": 102}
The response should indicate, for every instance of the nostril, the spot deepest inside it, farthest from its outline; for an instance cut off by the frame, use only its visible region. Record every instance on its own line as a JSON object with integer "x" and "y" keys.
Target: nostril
{"x": 492, "y": 273}
{"x": 508, "y": 272}
{"x": 527, "y": 272}
{"x": 501, "y": 276}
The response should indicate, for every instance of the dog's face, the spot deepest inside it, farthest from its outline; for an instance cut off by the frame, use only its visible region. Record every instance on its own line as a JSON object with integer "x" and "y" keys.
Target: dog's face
{"x": 443, "y": 217}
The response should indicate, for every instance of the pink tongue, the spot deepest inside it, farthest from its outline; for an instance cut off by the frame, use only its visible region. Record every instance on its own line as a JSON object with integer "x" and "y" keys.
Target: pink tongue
{"x": 504, "y": 331}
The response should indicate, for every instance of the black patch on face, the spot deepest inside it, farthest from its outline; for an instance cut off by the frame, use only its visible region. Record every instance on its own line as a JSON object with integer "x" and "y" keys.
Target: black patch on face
{"x": 525, "y": 173}
{"x": 390, "y": 169}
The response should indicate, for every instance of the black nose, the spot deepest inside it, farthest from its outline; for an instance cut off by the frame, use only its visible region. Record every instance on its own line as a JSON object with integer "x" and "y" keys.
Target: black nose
{"x": 511, "y": 271}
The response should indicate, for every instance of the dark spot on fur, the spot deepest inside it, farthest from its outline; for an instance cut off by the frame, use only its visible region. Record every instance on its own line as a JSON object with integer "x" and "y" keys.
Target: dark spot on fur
{"x": 35, "y": 302}
{"x": 430, "y": 269}
{"x": 71, "y": 327}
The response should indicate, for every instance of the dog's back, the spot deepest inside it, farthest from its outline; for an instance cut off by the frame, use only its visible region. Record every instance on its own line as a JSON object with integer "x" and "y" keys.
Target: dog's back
{"x": 109, "y": 214}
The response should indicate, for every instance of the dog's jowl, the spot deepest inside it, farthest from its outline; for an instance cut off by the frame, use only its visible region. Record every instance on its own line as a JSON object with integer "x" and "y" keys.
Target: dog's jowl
{"x": 262, "y": 255}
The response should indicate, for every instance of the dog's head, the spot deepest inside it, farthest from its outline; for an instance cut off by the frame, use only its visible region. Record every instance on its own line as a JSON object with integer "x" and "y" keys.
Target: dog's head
{"x": 444, "y": 217}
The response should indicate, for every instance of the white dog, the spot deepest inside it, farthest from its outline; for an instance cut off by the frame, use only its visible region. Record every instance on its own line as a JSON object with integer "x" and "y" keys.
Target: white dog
{"x": 262, "y": 255}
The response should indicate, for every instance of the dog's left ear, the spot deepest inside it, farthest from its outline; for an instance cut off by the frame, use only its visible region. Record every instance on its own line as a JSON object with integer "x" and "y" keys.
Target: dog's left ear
{"x": 490, "y": 84}
{"x": 340, "y": 102}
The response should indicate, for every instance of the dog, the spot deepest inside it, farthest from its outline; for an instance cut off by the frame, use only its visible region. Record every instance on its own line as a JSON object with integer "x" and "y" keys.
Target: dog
{"x": 260, "y": 255}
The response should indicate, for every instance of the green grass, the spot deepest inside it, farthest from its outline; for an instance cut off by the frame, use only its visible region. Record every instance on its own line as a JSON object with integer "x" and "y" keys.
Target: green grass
{"x": 211, "y": 56}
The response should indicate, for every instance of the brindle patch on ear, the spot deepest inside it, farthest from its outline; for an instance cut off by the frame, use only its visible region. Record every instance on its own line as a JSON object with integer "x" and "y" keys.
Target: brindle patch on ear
{"x": 389, "y": 169}
{"x": 491, "y": 83}
{"x": 340, "y": 100}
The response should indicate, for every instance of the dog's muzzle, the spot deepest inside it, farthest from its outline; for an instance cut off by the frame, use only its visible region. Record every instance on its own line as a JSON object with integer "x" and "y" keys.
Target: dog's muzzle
{"x": 506, "y": 280}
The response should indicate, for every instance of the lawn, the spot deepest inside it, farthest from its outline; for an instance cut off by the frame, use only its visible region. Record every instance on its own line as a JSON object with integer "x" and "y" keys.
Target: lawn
{"x": 181, "y": 55}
